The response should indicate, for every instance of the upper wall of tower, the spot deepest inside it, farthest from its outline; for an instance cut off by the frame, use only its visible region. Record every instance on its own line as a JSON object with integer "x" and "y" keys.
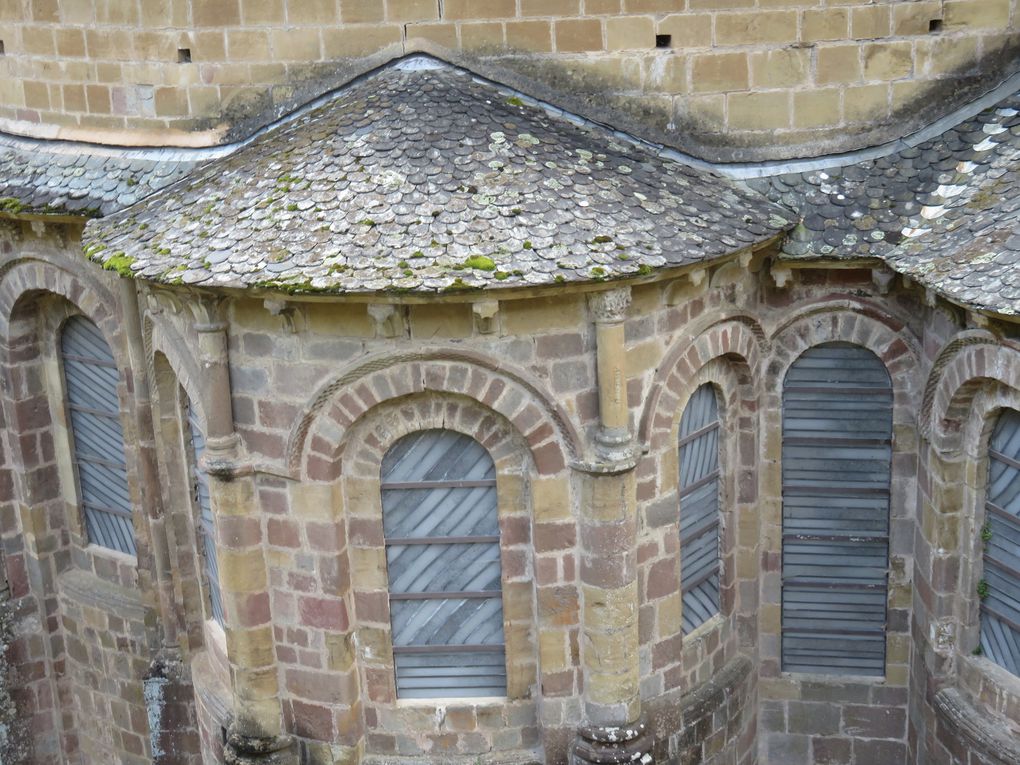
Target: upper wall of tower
{"x": 723, "y": 79}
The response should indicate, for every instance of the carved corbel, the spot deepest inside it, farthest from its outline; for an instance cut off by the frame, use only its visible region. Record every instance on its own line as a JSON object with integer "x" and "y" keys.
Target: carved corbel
{"x": 292, "y": 315}
{"x": 883, "y": 279}
{"x": 485, "y": 313}
{"x": 388, "y": 318}
{"x": 781, "y": 275}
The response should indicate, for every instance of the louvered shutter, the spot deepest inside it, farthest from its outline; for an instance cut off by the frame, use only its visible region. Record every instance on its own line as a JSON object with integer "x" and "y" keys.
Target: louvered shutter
{"x": 442, "y": 554}
{"x": 90, "y": 379}
{"x": 837, "y": 451}
{"x": 207, "y": 532}
{"x": 1000, "y": 609}
{"x": 699, "y": 508}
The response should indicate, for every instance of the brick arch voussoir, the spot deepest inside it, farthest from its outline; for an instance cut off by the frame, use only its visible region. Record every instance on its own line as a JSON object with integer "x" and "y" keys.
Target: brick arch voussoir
{"x": 857, "y": 323}
{"x": 383, "y": 425}
{"x": 737, "y": 341}
{"x": 30, "y": 278}
{"x": 972, "y": 367}
{"x": 317, "y": 440}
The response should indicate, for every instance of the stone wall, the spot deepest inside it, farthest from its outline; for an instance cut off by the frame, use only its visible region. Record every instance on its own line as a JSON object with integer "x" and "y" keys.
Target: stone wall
{"x": 965, "y": 709}
{"x": 104, "y": 631}
{"x": 318, "y": 390}
{"x": 722, "y": 78}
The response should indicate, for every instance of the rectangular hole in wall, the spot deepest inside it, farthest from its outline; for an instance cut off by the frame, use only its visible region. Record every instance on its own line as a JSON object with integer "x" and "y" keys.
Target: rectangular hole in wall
{"x": 935, "y": 25}
{"x": 184, "y": 55}
{"x": 663, "y": 41}
{"x": 2, "y": 51}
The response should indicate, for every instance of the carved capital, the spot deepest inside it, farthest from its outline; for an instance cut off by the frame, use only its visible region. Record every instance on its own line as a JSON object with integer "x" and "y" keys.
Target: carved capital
{"x": 609, "y": 307}
{"x": 208, "y": 312}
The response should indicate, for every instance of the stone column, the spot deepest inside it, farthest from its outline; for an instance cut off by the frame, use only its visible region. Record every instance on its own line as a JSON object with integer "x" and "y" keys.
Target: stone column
{"x": 613, "y": 730}
{"x": 255, "y": 735}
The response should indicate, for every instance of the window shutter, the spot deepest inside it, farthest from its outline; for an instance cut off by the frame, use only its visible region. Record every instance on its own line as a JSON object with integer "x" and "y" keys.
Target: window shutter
{"x": 207, "y": 531}
{"x": 837, "y": 451}
{"x": 699, "y": 508}
{"x": 90, "y": 379}
{"x": 1000, "y": 608}
{"x": 441, "y": 527}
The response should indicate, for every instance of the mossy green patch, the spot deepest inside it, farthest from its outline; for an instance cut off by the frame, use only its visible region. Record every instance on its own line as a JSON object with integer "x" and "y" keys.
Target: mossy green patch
{"x": 11, "y": 205}
{"x": 481, "y": 262}
{"x": 120, "y": 263}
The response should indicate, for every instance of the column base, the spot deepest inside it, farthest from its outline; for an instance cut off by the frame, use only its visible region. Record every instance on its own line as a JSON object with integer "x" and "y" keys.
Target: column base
{"x": 605, "y": 744}
{"x": 252, "y": 750}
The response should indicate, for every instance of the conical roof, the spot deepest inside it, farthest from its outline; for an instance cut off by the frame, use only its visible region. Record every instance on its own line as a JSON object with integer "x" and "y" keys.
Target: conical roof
{"x": 424, "y": 178}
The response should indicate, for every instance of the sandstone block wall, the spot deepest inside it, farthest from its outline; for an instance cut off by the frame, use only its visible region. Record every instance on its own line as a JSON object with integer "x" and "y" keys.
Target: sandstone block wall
{"x": 722, "y": 78}
{"x": 320, "y": 390}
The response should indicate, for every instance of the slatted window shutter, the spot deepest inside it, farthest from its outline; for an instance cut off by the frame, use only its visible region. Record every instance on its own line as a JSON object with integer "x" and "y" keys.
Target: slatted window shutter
{"x": 441, "y": 529}
{"x": 837, "y": 452}
{"x": 699, "y": 508}
{"x": 1000, "y": 607}
{"x": 206, "y": 530}
{"x": 90, "y": 379}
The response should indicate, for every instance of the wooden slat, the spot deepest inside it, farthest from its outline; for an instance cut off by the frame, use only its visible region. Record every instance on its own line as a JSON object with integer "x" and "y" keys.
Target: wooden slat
{"x": 1000, "y": 610}
{"x": 441, "y": 530}
{"x": 837, "y": 435}
{"x": 90, "y": 381}
{"x": 698, "y": 494}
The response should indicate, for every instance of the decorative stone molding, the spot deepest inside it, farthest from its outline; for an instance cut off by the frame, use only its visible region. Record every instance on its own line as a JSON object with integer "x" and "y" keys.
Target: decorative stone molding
{"x": 445, "y": 370}
{"x": 249, "y": 750}
{"x": 982, "y": 734}
{"x": 613, "y": 744}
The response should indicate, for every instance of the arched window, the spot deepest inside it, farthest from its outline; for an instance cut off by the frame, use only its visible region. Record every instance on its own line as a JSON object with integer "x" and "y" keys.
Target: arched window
{"x": 206, "y": 530}
{"x": 837, "y": 452}
{"x": 1000, "y": 589}
{"x": 443, "y": 561}
{"x": 699, "y": 508}
{"x": 90, "y": 379}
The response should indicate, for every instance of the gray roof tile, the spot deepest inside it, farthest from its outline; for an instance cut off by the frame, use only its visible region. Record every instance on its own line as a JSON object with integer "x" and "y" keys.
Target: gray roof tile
{"x": 430, "y": 180}
{"x": 943, "y": 212}
{"x": 57, "y": 178}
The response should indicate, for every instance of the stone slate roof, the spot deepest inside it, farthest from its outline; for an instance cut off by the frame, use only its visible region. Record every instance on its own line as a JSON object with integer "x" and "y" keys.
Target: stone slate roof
{"x": 943, "y": 212}
{"x": 53, "y": 178}
{"x": 425, "y": 179}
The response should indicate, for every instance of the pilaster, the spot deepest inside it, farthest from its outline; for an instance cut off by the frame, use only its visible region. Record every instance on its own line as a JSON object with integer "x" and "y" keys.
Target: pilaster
{"x": 613, "y": 730}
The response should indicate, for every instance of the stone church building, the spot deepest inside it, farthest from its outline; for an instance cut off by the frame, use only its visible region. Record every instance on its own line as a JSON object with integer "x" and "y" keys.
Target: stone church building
{"x": 510, "y": 382}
